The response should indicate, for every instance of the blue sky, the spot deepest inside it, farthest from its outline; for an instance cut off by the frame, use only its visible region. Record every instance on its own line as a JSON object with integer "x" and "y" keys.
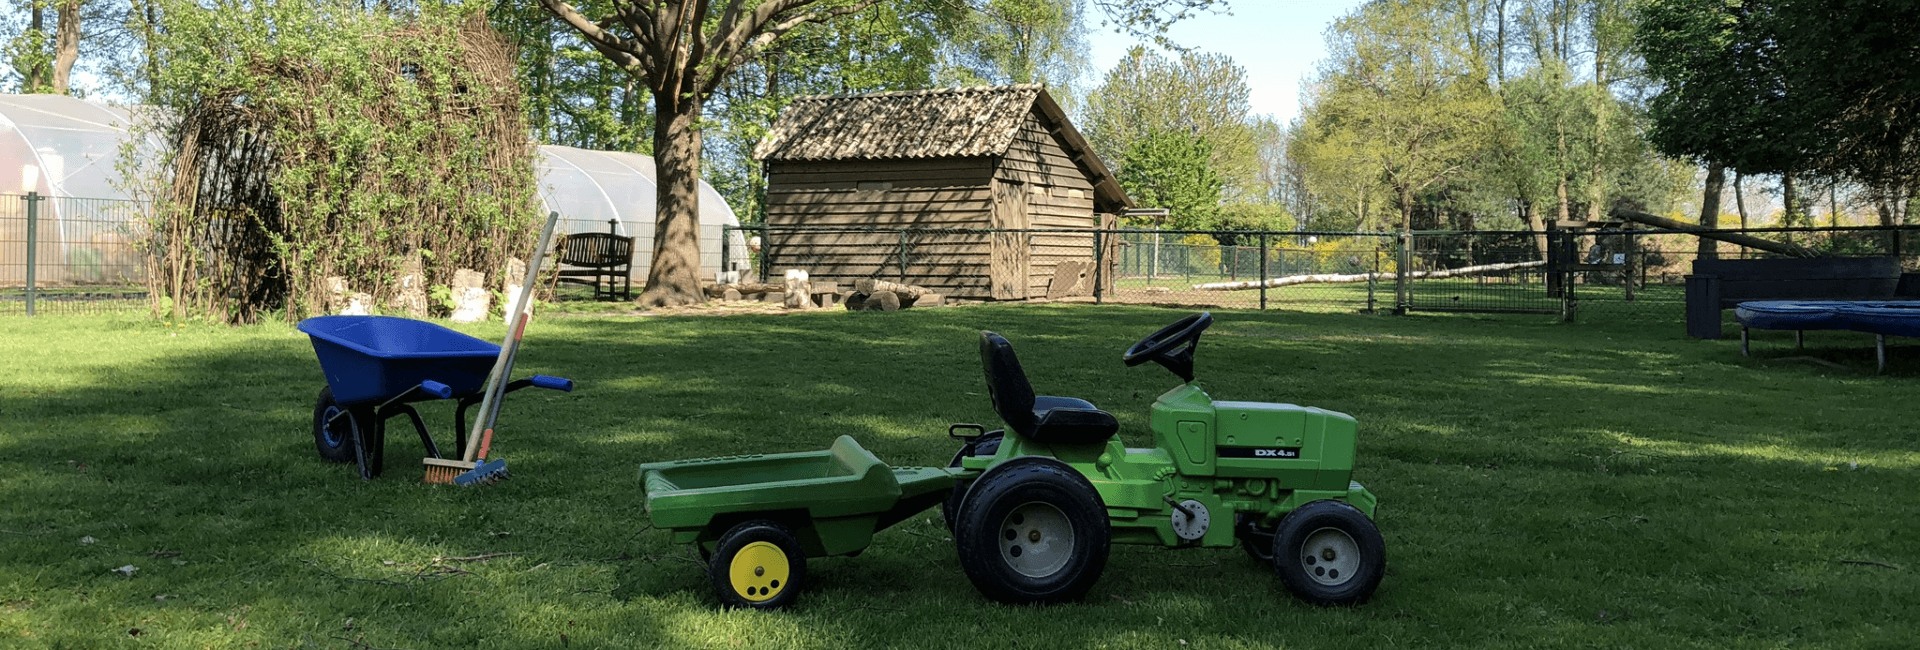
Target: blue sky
{"x": 1278, "y": 42}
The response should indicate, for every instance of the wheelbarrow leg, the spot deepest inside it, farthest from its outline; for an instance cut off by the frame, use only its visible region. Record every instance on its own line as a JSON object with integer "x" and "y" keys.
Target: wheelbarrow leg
{"x": 362, "y": 437}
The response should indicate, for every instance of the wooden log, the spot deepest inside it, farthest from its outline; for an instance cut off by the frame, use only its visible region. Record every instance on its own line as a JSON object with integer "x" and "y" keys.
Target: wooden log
{"x": 883, "y": 301}
{"x": 1362, "y": 277}
{"x": 904, "y": 292}
{"x": 1736, "y": 239}
{"x": 744, "y": 289}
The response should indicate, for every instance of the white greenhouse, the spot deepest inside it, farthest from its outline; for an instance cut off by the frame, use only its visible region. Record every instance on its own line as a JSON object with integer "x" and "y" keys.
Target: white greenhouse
{"x": 68, "y": 151}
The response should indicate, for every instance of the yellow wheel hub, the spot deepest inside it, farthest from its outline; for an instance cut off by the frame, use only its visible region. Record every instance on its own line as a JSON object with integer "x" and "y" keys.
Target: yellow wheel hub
{"x": 759, "y": 572}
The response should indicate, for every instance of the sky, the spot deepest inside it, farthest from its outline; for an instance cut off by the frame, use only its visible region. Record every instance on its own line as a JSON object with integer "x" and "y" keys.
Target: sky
{"x": 1278, "y": 42}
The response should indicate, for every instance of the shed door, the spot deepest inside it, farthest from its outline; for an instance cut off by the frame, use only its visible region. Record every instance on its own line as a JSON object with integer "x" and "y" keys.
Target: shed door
{"x": 1009, "y": 258}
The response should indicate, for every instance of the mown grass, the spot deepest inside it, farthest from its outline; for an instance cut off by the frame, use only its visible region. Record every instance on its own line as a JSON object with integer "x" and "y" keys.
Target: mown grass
{"x": 1601, "y": 484}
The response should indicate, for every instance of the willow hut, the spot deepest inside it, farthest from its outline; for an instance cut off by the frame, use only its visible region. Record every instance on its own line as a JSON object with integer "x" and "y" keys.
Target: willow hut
{"x": 972, "y": 192}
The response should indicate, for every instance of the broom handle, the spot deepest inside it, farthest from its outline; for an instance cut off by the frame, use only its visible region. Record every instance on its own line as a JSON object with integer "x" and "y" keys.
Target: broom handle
{"x": 482, "y": 433}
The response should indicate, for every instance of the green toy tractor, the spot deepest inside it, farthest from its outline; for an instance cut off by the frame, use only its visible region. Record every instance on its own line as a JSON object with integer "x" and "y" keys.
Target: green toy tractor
{"x": 1035, "y": 507}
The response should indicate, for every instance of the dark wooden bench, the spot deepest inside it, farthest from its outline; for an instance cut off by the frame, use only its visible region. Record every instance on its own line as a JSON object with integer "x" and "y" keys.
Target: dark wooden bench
{"x": 597, "y": 259}
{"x": 1721, "y": 284}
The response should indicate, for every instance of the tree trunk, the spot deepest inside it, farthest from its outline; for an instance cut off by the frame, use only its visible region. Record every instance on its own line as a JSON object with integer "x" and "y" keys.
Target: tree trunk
{"x": 674, "y": 277}
{"x": 66, "y": 44}
{"x": 1406, "y": 208}
{"x": 1560, "y": 190}
{"x": 1740, "y": 199}
{"x": 1787, "y": 197}
{"x": 1710, "y": 209}
{"x": 35, "y": 75}
{"x": 1532, "y": 224}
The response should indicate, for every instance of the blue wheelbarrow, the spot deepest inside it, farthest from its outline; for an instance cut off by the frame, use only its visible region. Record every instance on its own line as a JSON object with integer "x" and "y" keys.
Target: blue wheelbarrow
{"x": 378, "y": 366}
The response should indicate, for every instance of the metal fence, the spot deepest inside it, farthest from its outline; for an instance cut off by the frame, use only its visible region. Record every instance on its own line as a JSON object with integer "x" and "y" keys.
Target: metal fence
{"x": 1569, "y": 273}
{"x": 70, "y": 255}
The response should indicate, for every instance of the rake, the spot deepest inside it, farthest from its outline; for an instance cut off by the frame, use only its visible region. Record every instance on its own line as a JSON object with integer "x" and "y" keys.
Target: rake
{"x": 473, "y": 468}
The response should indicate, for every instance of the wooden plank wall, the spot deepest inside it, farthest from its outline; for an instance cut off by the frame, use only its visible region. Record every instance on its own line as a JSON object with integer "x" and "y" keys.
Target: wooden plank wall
{"x": 893, "y": 194}
{"x": 1059, "y": 196}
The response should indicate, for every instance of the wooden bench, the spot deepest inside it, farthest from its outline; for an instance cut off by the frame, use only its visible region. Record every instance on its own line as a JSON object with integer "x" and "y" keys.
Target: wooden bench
{"x": 596, "y": 259}
{"x": 1721, "y": 284}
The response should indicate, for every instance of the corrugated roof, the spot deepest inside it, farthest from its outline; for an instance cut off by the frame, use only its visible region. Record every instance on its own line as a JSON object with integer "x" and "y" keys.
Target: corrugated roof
{"x": 936, "y": 123}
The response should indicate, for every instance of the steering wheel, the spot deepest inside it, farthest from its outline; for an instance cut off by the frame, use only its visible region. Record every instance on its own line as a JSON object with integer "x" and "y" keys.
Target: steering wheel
{"x": 1172, "y": 346}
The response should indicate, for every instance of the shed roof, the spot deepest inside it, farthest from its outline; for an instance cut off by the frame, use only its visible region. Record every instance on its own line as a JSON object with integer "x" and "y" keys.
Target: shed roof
{"x": 938, "y": 123}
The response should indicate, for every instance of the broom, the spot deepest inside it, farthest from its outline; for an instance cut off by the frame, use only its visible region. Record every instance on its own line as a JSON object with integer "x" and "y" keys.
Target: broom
{"x": 472, "y": 468}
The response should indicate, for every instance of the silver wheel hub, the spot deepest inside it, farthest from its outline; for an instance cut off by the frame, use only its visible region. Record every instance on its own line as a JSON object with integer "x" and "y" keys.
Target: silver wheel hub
{"x": 1330, "y": 557}
{"x": 1036, "y": 540}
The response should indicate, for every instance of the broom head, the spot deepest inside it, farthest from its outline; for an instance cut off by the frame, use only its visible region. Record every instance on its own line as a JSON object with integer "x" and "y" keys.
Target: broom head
{"x": 443, "y": 471}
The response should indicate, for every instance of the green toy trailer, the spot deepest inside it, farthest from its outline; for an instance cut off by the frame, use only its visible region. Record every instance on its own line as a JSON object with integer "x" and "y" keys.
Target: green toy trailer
{"x": 1035, "y": 507}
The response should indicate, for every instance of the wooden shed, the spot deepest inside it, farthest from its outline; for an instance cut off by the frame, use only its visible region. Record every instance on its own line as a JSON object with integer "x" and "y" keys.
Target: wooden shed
{"x": 905, "y": 185}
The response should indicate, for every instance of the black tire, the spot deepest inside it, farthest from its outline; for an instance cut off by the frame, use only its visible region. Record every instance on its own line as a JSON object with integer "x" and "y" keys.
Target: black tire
{"x": 334, "y": 443}
{"x": 1010, "y": 528}
{"x": 1258, "y": 543}
{"x": 1329, "y": 553}
{"x": 986, "y": 445}
{"x": 758, "y": 565}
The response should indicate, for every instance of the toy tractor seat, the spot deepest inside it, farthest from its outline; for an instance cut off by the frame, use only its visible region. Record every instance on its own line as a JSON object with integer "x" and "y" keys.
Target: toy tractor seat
{"x": 1042, "y": 419}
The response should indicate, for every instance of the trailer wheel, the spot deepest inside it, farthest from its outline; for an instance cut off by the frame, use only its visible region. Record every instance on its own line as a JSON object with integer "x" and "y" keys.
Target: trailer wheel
{"x": 1329, "y": 553}
{"x": 986, "y": 445}
{"x": 1033, "y": 532}
{"x": 758, "y": 565}
{"x": 335, "y": 442}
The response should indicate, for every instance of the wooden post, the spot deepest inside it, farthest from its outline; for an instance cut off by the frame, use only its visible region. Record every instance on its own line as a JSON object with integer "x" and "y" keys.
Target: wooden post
{"x": 1263, "y": 270}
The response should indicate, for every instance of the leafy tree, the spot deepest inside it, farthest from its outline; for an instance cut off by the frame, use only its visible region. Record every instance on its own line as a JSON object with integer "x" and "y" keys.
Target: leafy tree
{"x": 1172, "y": 170}
{"x": 1202, "y": 94}
{"x": 1405, "y": 95}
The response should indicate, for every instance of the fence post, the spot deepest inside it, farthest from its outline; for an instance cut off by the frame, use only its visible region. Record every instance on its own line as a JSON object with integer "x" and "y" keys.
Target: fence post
{"x": 1263, "y": 270}
{"x": 726, "y": 260}
{"x": 33, "y": 243}
{"x": 903, "y": 256}
{"x": 1153, "y": 265}
{"x": 1099, "y": 265}
{"x": 1402, "y": 293}
{"x": 766, "y": 250}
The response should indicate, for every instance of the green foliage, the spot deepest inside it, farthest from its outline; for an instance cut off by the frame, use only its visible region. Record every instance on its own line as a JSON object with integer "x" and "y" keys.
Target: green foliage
{"x": 1822, "y": 87}
{"x": 328, "y": 140}
{"x": 1171, "y": 170}
{"x": 1205, "y": 95}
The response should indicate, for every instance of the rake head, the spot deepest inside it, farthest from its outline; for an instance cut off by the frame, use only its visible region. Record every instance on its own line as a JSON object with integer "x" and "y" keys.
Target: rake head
{"x": 488, "y": 473}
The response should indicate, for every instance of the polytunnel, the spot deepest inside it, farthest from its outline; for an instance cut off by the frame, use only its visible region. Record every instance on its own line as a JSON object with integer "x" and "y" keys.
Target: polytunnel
{"x": 67, "y": 151}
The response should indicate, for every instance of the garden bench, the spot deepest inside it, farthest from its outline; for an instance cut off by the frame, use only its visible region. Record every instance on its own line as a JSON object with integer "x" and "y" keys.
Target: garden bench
{"x": 597, "y": 258}
{"x": 1720, "y": 284}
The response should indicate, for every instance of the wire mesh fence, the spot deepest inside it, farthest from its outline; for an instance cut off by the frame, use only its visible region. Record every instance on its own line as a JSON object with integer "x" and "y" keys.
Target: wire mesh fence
{"x": 70, "y": 255}
{"x": 1565, "y": 272}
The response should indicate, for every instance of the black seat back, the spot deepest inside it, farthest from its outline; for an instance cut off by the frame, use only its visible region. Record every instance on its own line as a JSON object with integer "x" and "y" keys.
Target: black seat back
{"x": 1007, "y": 383}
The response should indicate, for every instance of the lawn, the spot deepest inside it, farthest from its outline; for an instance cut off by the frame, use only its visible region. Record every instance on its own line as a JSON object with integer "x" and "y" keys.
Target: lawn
{"x": 1607, "y": 483}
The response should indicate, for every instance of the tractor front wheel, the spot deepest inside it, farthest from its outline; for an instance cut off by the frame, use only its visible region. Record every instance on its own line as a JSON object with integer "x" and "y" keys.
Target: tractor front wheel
{"x": 758, "y": 565}
{"x": 1329, "y": 553}
{"x": 1032, "y": 532}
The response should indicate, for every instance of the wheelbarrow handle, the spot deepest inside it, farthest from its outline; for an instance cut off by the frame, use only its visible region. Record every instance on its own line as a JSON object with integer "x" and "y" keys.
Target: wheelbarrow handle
{"x": 436, "y": 389}
{"x": 561, "y": 384}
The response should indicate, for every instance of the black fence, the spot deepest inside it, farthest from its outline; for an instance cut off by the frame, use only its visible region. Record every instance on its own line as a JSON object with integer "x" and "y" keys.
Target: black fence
{"x": 70, "y": 255}
{"x": 1565, "y": 272}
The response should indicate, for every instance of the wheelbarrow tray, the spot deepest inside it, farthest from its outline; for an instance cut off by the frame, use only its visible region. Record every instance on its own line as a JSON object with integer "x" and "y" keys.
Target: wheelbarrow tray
{"x": 834, "y": 500}
{"x": 369, "y": 359}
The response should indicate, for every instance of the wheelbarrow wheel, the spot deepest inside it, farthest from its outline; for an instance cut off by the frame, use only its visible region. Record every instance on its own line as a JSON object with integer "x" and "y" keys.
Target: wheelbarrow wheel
{"x": 986, "y": 445}
{"x": 335, "y": 441}
{"x": 758, "y": 565}
{"x": 1033, "y": 531}
{"x": 1329, "y": 553}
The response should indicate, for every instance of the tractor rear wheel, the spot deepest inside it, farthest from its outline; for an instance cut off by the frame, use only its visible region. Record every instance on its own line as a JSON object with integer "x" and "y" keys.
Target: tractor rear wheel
{"x": 1329, "y": 553}
{"x": 986, "y": 445}
{"x": 758, "y": 565}
{"x": 1033, "y": 531}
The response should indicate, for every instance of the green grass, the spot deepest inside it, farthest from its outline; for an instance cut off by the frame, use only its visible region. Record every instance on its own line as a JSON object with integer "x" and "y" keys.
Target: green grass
{"x": 1604, "y": 484}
